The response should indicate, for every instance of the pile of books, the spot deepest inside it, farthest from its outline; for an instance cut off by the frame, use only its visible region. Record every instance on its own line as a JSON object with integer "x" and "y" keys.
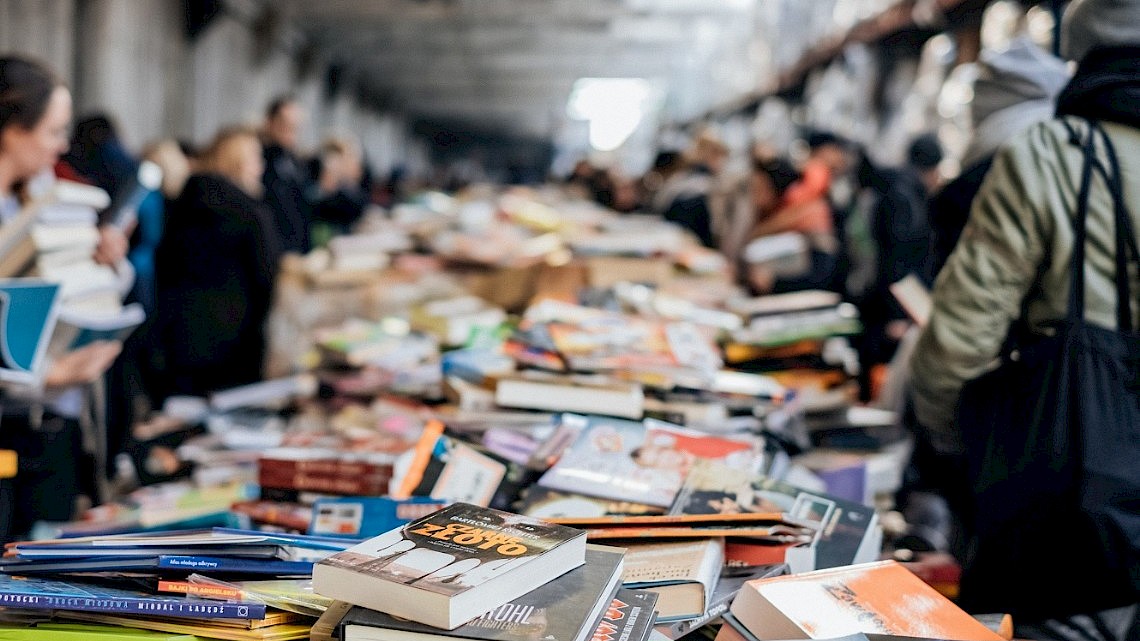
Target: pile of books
{"x": 217, "y": 583}
{"x": 468, "y": 572}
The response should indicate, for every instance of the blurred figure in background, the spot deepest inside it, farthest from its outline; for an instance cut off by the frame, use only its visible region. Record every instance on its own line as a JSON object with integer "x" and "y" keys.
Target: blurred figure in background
{"x": 216, "y": 265}
{"x": 1015, "y": 89}
{"x": 684, "y": 197}
{"x": 285, "y": 180}
{"x": 900, "y": 229}
{"x": 339, "y": 196}
{"x": 771, "y": 183}
{"x": 98, "y": 156}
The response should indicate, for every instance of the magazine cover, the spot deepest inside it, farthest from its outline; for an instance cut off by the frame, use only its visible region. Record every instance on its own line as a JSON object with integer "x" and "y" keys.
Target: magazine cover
{"x": 640, "y": 462}
{"x": 27, "y": 318}
{"x": 454, "y": 549}
{"x": 841, "y": 526}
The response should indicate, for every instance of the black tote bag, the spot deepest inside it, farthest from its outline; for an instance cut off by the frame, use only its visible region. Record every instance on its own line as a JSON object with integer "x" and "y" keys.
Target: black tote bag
{"x": 1053, "y": 448}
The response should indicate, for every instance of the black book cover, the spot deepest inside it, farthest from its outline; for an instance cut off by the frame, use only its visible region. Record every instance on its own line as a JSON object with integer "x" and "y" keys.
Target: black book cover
{"x": 630, "y": 617}
{"x": 453, "y": 550}
{"x": 565, "y": 609}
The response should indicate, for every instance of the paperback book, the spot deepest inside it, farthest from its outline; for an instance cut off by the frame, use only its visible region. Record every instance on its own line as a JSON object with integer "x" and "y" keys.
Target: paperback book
{"x": 566, "y": 609}
{"x": 639, "y": 462}
{"x": 451, "y": 566}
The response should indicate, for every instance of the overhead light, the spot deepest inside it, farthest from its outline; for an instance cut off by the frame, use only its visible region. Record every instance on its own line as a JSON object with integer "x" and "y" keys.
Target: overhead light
{"x": 614, "y": 107}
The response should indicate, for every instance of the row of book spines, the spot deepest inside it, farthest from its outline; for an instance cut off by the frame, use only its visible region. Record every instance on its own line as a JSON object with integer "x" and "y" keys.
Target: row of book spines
{"x": 325, "y": 467}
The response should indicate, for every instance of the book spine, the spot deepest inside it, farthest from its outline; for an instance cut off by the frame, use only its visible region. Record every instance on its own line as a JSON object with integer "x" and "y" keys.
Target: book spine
{"x": 190, "y": 608}
{"x": 319, "y": 483}
{"x": 291, "y": 516}
{"x": 223, "y": 564}
{"x": 331, "y": 467}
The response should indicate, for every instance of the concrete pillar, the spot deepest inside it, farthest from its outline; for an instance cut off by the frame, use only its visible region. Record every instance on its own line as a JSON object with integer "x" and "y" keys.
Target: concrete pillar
{"x": 44, "y": 29}
{"x": 130, "y": 64}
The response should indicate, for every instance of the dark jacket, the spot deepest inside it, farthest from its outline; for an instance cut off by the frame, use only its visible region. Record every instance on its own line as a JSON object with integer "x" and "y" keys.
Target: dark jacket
{"x": 285, "y": 181}
{"x": 949, "y": 211}
{"x": 215, "y": 270}
{"x": 901, "y": 232}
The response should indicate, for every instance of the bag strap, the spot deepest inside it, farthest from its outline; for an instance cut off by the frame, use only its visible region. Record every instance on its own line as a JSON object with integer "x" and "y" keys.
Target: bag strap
{"x": 1127, "y": 252}
{"x": 1080, "y": 221}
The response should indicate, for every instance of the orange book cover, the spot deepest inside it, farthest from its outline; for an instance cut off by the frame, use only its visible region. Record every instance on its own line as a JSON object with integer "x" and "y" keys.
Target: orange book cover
{"x": 873, "y": 598}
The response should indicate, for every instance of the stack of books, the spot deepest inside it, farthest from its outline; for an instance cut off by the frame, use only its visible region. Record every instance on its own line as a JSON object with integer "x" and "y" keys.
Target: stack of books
{"x": 189, "y": 582}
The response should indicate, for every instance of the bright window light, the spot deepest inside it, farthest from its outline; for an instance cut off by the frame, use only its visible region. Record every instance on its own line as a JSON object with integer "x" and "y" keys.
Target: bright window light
{"x": 614, "y": 108}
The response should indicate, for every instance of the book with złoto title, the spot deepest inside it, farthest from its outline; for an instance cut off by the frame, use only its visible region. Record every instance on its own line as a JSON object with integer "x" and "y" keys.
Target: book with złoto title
{"x": 451, "y": 566}
{"x": 568, "y": 608}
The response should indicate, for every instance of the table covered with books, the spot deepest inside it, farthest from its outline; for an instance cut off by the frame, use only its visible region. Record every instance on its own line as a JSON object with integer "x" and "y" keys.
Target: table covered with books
{"x": 553, "y": 422}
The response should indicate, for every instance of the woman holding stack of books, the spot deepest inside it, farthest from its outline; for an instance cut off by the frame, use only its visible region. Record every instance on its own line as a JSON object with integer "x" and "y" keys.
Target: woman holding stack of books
{"x": 36, "y": 422}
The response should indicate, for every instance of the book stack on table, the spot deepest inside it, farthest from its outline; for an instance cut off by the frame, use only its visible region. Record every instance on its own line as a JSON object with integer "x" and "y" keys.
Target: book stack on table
{"x": 217, "y": 583}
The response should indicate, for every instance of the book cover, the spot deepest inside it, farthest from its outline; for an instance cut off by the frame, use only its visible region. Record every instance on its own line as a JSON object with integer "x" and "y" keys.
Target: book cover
{"x": 28, "y": 312}
{"x": 545, "y": 503}
{"x": 158, "y": 565}
{"x": 682, "y": 573}
{"x": 31, "y": 593}
{"x": 630, "y": 617}
{"x": 843, "y": 529}
{"x": 450, "y": 566}
{"x": 640, "y": 463}
{"x": 873, "y": 598}
{"x": 369, "y": 516}
{"x": 76, "y": 328}
{"x": 50, "y": 631}
{"x": 566, "y": 609}
{"x": 200, "y": 629}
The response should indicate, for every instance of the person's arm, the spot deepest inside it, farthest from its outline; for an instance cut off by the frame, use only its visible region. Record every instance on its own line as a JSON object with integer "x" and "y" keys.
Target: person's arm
{"x": 980, "y": 291}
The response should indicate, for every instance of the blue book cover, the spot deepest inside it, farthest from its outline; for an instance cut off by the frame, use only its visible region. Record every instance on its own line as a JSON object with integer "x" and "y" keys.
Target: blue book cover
{"x": 33, "y": 593}
{"x": 176, "y": 564}
{"x": 28, "y": 311}
{"x": 368, "y": 516}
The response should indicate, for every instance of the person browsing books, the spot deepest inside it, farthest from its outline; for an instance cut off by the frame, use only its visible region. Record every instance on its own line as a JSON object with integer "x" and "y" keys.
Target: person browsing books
{"x": 35, "y": 114}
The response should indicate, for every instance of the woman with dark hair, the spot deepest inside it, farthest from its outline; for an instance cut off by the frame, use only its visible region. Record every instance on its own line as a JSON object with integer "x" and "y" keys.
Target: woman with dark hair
{"x": 215, "y": 268}
{"x": 35, "y": 112}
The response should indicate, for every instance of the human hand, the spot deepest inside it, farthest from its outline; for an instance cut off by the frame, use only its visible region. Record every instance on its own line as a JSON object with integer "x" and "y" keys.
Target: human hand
{"x": 112, "y": 247}
{"x": 762, "y": 279}
{"x": 83, "y": 365}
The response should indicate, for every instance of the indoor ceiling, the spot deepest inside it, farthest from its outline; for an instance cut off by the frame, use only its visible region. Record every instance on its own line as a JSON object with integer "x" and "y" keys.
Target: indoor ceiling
{"x": 510, "y": 65}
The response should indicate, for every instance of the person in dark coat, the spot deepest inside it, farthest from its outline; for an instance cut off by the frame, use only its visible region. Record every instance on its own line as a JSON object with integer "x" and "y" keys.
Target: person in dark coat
{"x": 216, "y": 265}
{"x": 286, "y": 180}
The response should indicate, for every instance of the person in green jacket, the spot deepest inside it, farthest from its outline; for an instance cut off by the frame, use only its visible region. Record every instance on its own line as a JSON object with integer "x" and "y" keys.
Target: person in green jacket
{"x": 1013, "y": 260}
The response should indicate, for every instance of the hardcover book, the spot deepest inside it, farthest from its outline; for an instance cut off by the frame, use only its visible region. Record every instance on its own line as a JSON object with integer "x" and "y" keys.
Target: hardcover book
{"x": 566, "y": 609}
{"x": 451, "y": 566}
{"x": 683, "y": 574}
